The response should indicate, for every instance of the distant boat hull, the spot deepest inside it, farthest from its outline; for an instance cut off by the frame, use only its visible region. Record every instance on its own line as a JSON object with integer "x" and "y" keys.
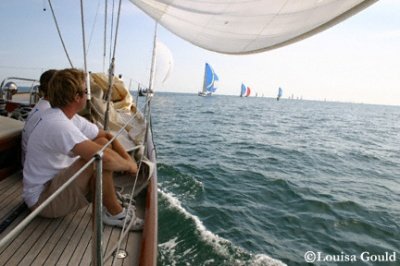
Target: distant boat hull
{"x": 204, "y": 94}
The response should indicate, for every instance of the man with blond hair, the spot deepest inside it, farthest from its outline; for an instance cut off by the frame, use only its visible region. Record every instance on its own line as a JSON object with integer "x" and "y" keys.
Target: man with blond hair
{"x": 61, "y": 143}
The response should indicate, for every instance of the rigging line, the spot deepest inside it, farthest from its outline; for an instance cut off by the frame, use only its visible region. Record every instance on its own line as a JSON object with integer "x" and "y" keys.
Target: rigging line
{"x": 152, "y": 137}
{"x": 21, "y": 67}
{"x": 125, "y": 228}
{"x": 137, "y": 95}
{"x": 105, "y": 35}
{"x": 93, "y": 26}
{"x": 111, "y": 27}
{"x": 150, "y": 92}
{"x": 59, "y": 33}
{"x": 87, "y": 76}
{"x": 117, "y": 27}
{"x": 107, "y": 96}
{"x": 83, "y": 38}
{"x": 153, "y": 58}
{"x": 111, "y": 70}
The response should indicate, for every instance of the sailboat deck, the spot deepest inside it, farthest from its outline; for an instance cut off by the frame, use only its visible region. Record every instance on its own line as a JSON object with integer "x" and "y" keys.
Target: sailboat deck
{"x": 61, "y": 241}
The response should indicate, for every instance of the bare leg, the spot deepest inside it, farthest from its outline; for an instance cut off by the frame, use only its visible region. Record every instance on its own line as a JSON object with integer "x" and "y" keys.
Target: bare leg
{"x": 110, "y": 200}
{"x": 115, "y": 146}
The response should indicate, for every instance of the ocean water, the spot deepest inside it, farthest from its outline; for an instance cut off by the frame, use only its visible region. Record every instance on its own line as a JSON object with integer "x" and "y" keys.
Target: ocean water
{"x": 254, "y": 181}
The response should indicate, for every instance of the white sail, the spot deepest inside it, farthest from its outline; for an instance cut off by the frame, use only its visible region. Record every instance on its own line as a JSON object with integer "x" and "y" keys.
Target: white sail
{"x": 165, "y": 63}
{"x": 248, "y": 26}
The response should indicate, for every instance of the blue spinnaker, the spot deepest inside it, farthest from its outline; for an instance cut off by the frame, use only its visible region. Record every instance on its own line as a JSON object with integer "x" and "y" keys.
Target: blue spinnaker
{"x": 211, "y": 79}
{"x": 243, "y": 90}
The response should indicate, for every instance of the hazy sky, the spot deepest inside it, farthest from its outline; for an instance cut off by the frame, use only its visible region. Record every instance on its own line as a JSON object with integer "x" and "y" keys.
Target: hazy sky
{"x": 357, "y": 60}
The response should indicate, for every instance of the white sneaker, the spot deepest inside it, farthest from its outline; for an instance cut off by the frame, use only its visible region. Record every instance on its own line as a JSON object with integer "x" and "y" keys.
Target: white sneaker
{"x": 117, "y": 220}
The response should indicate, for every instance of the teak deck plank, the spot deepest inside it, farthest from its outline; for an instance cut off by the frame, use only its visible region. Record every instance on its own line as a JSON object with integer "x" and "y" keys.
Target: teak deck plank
{"x": 29, "y": 243}
{"x": 62, "y": 241}
{"x": 76, "y": 238}
{"x": 14, "y": 247}
{"x": 41, "y": 243}
{"x": 10, "y": 194}
{"x": 83, "y": 245}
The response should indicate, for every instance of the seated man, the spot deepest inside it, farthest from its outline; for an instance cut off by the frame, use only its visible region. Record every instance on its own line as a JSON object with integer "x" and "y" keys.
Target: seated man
{"x": 35, "y": 114}
{"x": 61, "y": 143}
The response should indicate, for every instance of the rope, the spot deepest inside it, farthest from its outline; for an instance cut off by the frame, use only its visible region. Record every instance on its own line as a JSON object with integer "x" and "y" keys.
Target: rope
{"x": 105, "y": 36}
{"x": 117, "y": 27}
{"x": 87, "y": 80}
{"x": 83, "y": 38}
{"x": 111, "y": 69}
{"x": 107, "y": 96}
{"x": 59, "y": 33}
{"x": 147, "y": 114}
{"x": 150, "y": 92}
{"x": 125, "y": 227}
{"x": 93, "y": 26}
{"x": 112, "y": 27}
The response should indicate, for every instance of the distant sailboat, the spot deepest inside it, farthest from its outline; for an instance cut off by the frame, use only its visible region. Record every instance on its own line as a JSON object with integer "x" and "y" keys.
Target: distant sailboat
{"x": 280, "y": 92}
{"x": 244, "y": 91}
{"x": 210, "y": 81}
{"x": 248, "y": 91}
{"x": 142, "y": 91}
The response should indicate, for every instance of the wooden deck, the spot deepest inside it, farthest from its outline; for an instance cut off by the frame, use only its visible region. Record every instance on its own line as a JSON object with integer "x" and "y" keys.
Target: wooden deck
{"x": 61, "y": 241}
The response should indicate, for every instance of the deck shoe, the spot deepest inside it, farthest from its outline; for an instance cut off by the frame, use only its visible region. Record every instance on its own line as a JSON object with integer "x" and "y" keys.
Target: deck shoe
{"x": 117, "y": 220}
{"x": 125, "y": 199}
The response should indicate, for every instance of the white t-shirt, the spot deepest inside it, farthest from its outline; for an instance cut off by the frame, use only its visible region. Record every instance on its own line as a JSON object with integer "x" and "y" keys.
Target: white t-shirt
{"x": 49, "y": 149}
{"x": 30, "y": 123}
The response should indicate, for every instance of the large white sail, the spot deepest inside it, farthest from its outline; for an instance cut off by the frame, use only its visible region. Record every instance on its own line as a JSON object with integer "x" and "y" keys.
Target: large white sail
{"x": 165, "y": 63}
{"x": 248, "y": 26}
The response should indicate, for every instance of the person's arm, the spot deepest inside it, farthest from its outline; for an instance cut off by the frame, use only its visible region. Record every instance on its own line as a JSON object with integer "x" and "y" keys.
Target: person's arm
{"x": 116, "y": 145}
{"x": 111, "y": 160}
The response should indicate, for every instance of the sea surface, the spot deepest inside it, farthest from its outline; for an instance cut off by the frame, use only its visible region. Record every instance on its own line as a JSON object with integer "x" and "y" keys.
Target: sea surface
{"x": 255, "y": 181}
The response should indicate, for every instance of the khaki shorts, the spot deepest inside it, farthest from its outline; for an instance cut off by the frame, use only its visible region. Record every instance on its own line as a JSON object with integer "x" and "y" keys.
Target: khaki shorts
{"x": 74, "y": 196}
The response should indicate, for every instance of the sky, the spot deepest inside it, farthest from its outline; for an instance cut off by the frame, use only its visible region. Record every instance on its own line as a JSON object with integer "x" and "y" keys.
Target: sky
{"x": 357, "y": 60}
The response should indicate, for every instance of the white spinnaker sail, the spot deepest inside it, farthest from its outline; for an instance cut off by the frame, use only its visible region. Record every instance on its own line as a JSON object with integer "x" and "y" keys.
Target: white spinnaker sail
{"x": 248, "y": 26}
{"x": 165, "y": 63}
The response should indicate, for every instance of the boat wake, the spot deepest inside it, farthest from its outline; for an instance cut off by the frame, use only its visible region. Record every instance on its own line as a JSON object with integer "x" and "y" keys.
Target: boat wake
{"x": 190, "y": 242}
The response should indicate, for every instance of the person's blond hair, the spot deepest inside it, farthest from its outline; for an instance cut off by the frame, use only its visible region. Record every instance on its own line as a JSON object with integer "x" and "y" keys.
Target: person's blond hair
{"x": 65, "y": 85}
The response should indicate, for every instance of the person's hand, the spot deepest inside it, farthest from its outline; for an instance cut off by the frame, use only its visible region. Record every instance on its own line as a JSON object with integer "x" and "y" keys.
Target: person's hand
{"x": 132, "y": 167}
